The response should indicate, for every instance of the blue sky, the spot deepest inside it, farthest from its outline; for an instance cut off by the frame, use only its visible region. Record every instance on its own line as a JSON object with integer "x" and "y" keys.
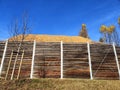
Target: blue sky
{"x": 60, "y": 17}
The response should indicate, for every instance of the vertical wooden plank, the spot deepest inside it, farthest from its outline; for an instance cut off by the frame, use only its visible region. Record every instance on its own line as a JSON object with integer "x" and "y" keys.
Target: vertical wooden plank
{"x": 61, "y": 59}
{"x": 89, "y": 58}
{"x": 9, "y": 65}
{"x": 15, "y": 61}
{"x": 3, "y": 57}
{"x": 116, "y": 58}
{"x": 33, "y": 57}
{"x": 20, "y": 65}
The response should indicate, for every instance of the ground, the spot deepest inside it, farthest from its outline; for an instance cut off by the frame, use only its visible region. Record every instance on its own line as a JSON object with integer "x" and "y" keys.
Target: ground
{"x": 58, "y": 84}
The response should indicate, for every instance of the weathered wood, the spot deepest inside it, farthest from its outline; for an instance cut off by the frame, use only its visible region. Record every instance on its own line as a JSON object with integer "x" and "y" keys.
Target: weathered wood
{"x": 3, "y": 57}
{"x": 103, "y": 61}
{"x": 9, "y": 65}
{"x": 20, "y": 65}
{"x": 25, "y": 68}
{"x": 75, "y": 61}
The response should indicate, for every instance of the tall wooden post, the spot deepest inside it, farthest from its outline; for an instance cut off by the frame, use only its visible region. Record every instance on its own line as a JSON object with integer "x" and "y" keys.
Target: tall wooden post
{"x": 89, "y": 58}
{"x": 33, "y": 58}
{"x": 9, "y": 65}
{"x": 116, "y": 58}
{"x": 61, "y": 60}
{"x": 3, "y": 57}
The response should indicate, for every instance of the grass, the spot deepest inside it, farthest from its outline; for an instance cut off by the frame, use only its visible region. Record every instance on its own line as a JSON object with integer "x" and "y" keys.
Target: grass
{"x": 58, "y": 84}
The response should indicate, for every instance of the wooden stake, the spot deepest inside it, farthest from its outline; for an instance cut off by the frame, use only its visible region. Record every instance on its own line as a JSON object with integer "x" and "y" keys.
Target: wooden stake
{"x": 15, "y": 61}
{"x": 9, "y": 65}
{"x": 20, "y": 65}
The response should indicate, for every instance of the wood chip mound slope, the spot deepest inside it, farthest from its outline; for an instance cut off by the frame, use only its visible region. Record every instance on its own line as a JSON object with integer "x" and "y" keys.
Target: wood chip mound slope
{"x": 52, "y": 38}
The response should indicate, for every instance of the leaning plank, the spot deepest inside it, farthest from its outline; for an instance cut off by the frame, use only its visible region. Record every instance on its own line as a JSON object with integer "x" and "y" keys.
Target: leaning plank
{"x": 9, "y": 65}
{"x": 20, "y": 65}
{"x": 16, "y": 58}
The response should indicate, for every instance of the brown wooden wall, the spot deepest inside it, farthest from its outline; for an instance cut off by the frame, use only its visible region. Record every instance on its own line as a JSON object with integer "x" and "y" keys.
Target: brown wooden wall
{"x": 103, "y": 62}
{"x": 47, "y": 60}
{"x": 75, "y": 60}
{"x": 26, "y": 64}
{"x": 2, "y": 44}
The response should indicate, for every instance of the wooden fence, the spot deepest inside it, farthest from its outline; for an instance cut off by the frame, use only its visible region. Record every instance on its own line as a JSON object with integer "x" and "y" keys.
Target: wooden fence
{"x": 59, "y": 60}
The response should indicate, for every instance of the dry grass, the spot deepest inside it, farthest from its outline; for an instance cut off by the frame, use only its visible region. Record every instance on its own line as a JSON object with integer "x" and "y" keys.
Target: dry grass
{"x": 53, "y": 38}
{"x": 57, "y": 84}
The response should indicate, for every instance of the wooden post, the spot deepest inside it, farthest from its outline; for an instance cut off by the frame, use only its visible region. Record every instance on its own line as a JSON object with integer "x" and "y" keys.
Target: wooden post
{"x": 89, "y": 58}
{"x": 15, "y": 61}
{"x": 20, "y": 65}
{"x": 61, "y": 45}
{"x": 33, "y": 57}
{"x": 9, "y": 65}
{"x": 3, "y": 57}
{"x": 116, "y": 58}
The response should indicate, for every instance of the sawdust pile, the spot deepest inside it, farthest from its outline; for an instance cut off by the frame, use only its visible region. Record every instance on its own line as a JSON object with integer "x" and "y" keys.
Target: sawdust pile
{"x": 53, "y": 38}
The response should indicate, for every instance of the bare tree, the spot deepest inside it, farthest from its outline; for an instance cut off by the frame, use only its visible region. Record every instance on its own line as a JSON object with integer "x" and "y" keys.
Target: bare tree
{"x": 19, "y": 30}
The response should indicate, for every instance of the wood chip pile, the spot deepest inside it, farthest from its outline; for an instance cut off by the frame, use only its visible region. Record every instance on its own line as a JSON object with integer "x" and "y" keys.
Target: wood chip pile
{"x": 53, "y": 38}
